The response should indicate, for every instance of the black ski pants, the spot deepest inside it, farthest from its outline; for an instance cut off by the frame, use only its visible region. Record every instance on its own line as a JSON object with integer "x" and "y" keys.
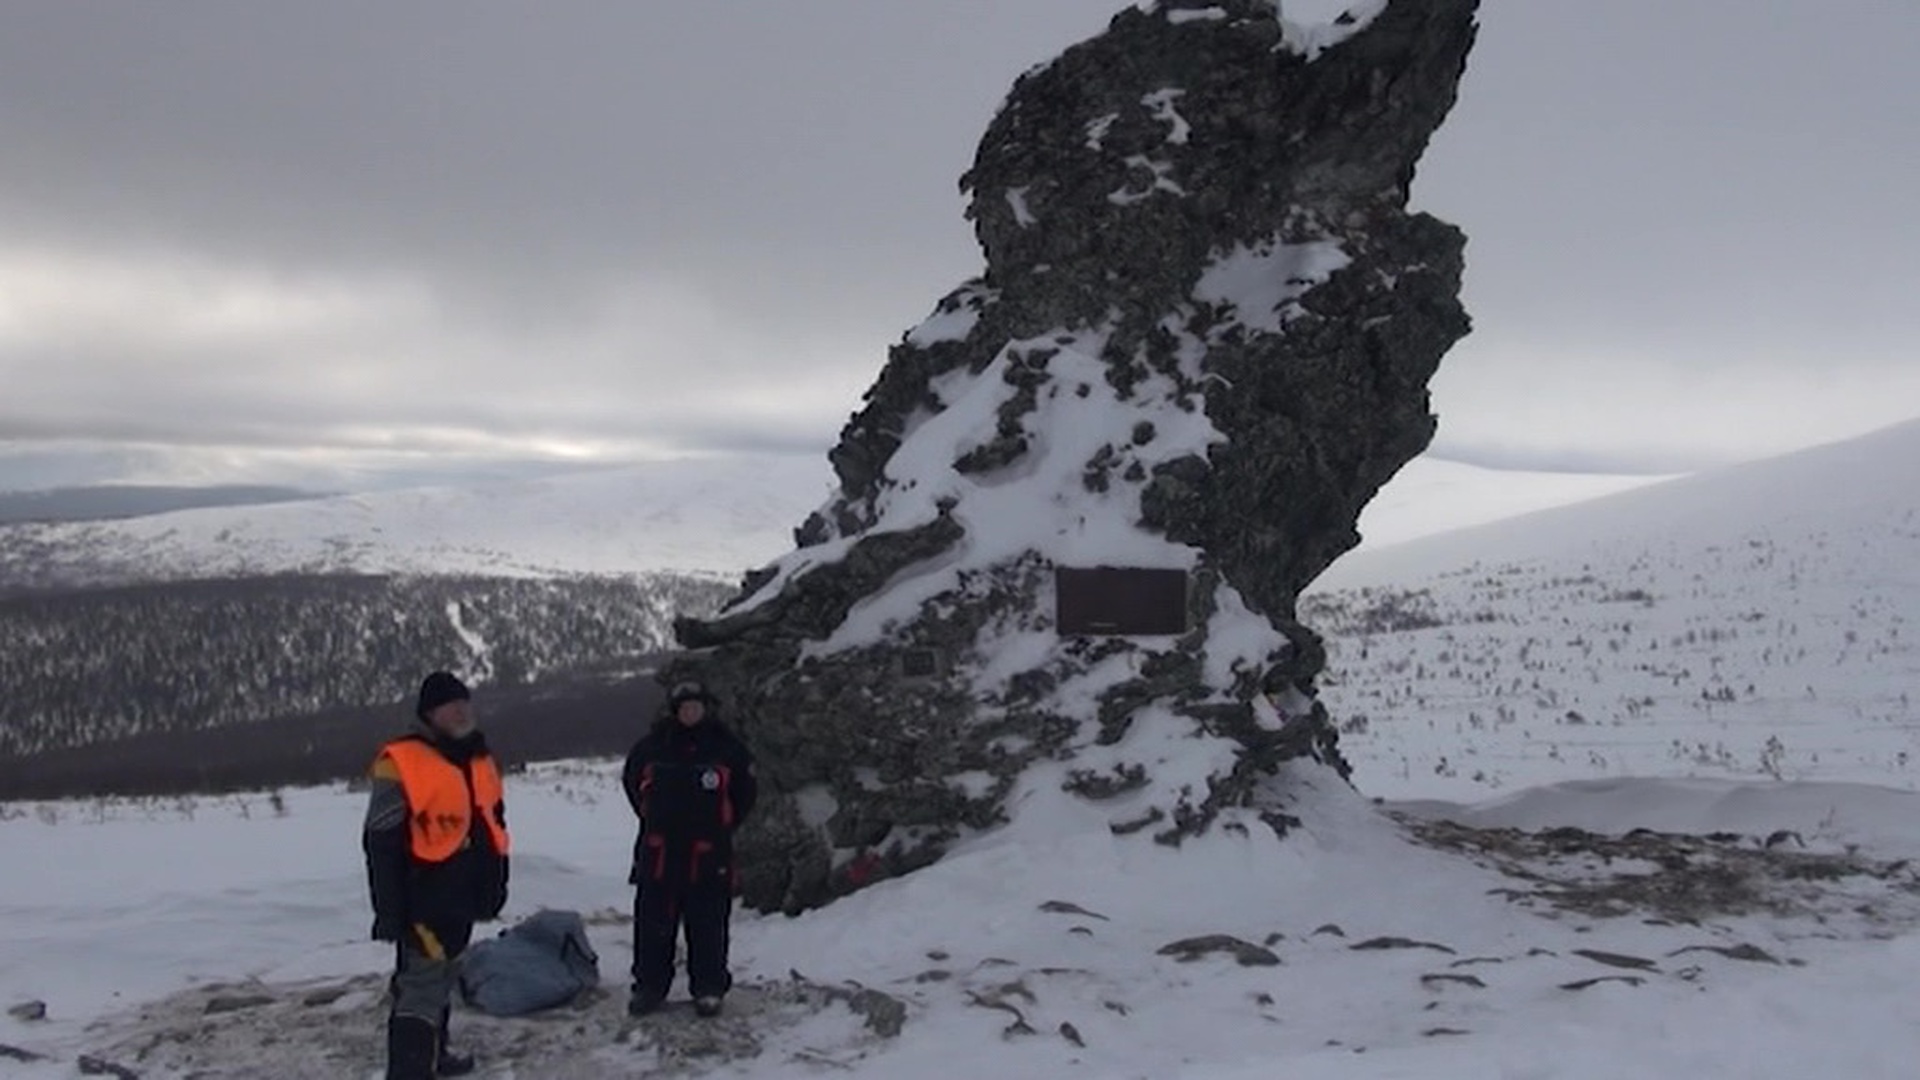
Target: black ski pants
{"x": 660, "y": 909}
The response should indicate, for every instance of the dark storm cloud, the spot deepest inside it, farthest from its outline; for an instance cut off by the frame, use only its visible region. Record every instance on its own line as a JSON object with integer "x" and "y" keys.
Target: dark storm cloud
{"x": 599, "y": 219}
{"x": 612, "y": 229}
{"x": 517, "y": 152}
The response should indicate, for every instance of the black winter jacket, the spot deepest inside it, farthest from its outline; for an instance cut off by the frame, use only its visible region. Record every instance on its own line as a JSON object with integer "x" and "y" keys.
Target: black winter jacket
{"x": 689, "y": 786}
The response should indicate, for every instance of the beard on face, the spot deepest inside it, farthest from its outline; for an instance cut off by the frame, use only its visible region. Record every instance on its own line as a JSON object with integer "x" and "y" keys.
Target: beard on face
{"x": 453, "y": 723}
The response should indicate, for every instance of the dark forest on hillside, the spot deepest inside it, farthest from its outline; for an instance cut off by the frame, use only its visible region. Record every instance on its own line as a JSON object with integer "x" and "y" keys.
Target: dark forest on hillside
{"x": 581, "y": 717}
{"x": 82, "y": 667}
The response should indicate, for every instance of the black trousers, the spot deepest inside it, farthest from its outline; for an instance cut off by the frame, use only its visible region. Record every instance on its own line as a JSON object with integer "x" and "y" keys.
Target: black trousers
{"x": 660, "y": 910}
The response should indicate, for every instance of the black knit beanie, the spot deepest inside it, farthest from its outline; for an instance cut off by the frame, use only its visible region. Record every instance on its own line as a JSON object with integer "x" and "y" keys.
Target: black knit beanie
{"x": 689, "y": 690}
{"x": 440, "y": 688}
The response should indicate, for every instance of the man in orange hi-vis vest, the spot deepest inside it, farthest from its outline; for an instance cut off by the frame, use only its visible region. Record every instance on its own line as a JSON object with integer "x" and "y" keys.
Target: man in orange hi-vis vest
{"x": 436, "y": 844}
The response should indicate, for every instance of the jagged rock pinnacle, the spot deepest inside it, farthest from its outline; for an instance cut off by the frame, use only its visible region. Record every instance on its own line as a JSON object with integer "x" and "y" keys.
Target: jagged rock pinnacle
{"x": 1201, "y": 343}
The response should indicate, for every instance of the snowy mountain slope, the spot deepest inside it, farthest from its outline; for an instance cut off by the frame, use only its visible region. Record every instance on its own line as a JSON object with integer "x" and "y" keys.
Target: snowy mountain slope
{"x": 703, "y": 515}
{"x": 1759, "y": 620}
{"x": 107, "y": 502}
{"x": 1871, "y": 478}
{"x": 1433, "y": 495}
{"x": 711, "y": 516}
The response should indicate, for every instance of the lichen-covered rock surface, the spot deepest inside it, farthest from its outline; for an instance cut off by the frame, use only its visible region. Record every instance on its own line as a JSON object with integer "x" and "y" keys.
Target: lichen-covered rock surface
{"x": 1201, "y": 343}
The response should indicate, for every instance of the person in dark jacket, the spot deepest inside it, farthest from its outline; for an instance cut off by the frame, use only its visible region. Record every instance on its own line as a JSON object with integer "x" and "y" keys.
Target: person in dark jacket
{"x": 691, "y": 783}
{"x": 436, "y": 845}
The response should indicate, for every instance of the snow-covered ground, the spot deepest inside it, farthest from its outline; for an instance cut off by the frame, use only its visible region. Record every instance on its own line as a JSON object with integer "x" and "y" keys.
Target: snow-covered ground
{"x": 1737, "y": 648}
{"x": 222, "y": 940}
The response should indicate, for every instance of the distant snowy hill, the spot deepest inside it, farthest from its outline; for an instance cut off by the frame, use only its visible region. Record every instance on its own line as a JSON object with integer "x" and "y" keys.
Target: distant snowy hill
{"x": 1753, "y": 621}
{"x": 211, "y": 617}
{"x": 1433, "y": 495}
{"x": 703, "y": 515}
{"x": 112, "y": 501}
{"x": 721, "y": 515}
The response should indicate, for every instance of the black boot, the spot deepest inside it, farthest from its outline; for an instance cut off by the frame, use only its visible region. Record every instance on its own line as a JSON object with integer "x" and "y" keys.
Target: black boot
{"x": 412, "y": 1044}
{"x": 451, "y": 1064}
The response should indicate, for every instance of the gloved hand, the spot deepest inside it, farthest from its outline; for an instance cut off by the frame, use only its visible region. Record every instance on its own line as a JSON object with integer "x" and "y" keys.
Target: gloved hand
{"x": 428, "y": 942}
{"x": 388, "y": 929}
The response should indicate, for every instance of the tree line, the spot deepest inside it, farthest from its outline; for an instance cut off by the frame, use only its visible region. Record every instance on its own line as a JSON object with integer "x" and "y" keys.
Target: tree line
{"x": 87, "y": 666}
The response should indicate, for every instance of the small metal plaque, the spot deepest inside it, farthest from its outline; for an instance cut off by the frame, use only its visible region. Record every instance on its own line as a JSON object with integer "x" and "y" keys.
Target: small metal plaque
{"x": 1109, "y": 601}
{"x": 919, "y": 664}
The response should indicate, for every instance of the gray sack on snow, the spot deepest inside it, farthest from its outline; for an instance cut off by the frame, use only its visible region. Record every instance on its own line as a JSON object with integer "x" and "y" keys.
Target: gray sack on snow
{"x": 542, "y": 962}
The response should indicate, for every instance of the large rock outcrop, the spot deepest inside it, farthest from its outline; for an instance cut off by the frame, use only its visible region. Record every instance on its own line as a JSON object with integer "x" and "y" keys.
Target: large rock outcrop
{"x": 1201, "y": 343}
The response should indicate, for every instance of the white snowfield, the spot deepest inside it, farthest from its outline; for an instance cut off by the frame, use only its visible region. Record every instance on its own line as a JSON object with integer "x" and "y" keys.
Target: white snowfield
{"x": 1049, "y": 949}
{"x": 1776, "y": 601}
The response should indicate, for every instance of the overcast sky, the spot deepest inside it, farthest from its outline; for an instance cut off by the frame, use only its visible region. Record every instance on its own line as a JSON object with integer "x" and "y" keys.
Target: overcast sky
{"x": 428, "y": 232}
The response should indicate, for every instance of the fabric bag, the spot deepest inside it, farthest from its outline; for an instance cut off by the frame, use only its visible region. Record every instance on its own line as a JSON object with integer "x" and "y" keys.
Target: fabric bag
{"x": 543, "y": 962}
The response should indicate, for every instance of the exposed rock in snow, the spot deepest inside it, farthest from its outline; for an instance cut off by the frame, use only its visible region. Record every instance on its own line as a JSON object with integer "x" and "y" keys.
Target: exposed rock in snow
{"x": 1201, "y": 343}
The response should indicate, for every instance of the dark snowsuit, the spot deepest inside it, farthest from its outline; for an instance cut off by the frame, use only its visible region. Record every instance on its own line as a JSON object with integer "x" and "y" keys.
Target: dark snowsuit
{"x": 427, "y": 909}
{"x": 691, "y": 787}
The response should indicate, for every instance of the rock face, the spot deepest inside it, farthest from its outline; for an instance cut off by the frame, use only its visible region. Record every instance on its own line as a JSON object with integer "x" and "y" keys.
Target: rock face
{"x": 1201, "y": 343}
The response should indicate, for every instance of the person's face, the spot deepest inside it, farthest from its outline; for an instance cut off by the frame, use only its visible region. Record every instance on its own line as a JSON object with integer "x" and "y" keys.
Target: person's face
{"x": 454, "y": 719}
{"x": 691, "y": 712}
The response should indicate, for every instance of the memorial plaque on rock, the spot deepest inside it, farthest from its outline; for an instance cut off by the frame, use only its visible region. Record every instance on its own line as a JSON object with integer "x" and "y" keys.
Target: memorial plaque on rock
{"x": 1110, "y": 601}
{"x": 920, "y": 664}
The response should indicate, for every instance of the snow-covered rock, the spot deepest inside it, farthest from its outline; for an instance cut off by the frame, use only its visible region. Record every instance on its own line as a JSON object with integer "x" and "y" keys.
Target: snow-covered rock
{"x": 1200, "y": 345}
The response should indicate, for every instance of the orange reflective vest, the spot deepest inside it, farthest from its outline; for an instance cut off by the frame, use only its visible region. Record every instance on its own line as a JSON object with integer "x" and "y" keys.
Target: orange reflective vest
{"x": 441, "y": 807}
